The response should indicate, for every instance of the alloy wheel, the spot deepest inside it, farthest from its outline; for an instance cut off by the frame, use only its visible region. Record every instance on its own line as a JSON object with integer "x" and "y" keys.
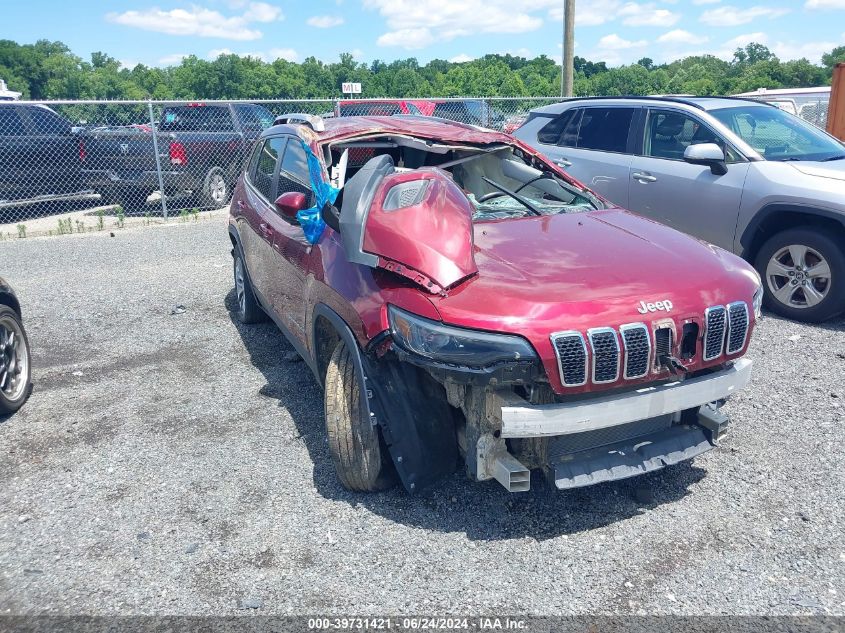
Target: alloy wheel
{"x": 14, "y": 359}
{"x": 798, "y": 276}
{"x": 240, "y": 284}
{"x": 217, "y": 188}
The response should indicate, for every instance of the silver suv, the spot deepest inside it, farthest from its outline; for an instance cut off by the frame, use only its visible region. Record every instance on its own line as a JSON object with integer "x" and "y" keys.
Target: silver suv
{"x": 740, "y": 174}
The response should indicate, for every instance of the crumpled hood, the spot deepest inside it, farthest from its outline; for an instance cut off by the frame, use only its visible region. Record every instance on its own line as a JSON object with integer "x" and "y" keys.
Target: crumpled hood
{"x": 586, "y": 270}
{"x": 834, "y": 169}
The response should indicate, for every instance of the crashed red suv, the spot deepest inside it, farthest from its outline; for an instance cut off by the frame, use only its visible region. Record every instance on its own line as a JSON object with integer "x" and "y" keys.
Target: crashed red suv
{"x": 462, "y": 299}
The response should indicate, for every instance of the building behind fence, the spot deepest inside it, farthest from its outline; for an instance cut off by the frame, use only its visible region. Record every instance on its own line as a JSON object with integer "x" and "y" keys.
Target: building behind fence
{"x": 166, "y": 158}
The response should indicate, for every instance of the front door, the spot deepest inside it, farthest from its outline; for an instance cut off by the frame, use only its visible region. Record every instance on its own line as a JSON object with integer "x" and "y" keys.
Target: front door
{"x": 686, "y": 197}
{"x": 256, "y": 216}
{"x": 292, "y": 252}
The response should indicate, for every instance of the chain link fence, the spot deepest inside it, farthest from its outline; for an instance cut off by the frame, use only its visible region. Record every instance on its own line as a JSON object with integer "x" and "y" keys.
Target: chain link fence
{"x": 76, "y": 166}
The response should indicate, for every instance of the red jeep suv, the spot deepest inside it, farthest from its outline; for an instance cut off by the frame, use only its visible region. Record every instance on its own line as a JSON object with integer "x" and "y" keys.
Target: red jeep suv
{"x": 462, "y": 299}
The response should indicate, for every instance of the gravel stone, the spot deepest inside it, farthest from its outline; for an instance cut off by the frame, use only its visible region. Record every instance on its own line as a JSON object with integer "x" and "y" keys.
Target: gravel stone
{"x": 212, "y": 437}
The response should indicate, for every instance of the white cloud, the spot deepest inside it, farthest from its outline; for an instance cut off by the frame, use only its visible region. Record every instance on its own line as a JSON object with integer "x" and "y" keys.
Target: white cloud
{"x": 613, "y": 42}
{"x": 680, "y": 36}
{"x": 262, "y": 12}
{"x": 825, "y": 4}
{"x": 732, "y": 16}
{"x": 811, "y": 50}
{"x": 199, "y": 21}
{"x": 419, "y": 23}
{"x": 706, "y": 1}
{"x": 171, "y": 60}
{"x": 407, "y": 38}
{"x": 282, "y": 53}
{"x": 325, "y": 21}
{"x": 615, "y": 50}
{"x": 600, "y": 12}
{"x": 272, "y": 55}
{"x": 460, "y": 59}
{"x": 647, "y": 15}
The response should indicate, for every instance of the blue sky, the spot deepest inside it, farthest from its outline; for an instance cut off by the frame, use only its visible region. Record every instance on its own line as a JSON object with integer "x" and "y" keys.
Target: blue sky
{"x": 159, "y": 32}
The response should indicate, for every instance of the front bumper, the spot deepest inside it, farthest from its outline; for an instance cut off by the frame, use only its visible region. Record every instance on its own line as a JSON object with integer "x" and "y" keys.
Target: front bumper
{"x": 524, "y": 421}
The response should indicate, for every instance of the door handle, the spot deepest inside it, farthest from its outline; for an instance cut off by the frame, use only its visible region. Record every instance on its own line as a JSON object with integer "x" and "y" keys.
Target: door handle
{"x": 266, "y": 231}
{"x": 562, "y": 162}
{"x": 241, "y": 205}
{"x": 644, "y": 177}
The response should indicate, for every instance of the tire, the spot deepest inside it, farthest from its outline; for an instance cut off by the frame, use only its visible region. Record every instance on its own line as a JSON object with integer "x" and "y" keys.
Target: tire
{"x": 249, "y": 311}
{"x": 360, "y": 459}
{"x": 811, "y": 289}
{"x": 216, "y": 191}
{"x": 15, "y": 363}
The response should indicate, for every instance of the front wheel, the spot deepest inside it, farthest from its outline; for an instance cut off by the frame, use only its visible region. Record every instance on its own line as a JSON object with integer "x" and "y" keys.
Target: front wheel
{"x": 360, "y": 459}
{"x": 803, "y": 272}
{"x": 15, "y": 368}
{"x": 248, "y": 309}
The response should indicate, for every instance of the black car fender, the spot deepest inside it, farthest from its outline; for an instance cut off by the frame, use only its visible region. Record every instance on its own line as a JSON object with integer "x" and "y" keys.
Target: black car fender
{"x": 8, "y": 297}
{"x": 416, "y": 422}
{"x": 776, "y": 217}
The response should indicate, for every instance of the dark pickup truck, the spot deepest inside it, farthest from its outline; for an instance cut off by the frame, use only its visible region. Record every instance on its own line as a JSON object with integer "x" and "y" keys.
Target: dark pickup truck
{"x": 201, "y": 148}
{"x": 39, "y": 156}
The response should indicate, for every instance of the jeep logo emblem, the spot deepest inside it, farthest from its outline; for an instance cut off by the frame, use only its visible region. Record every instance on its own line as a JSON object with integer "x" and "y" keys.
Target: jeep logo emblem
{"x": 645, "y": 308}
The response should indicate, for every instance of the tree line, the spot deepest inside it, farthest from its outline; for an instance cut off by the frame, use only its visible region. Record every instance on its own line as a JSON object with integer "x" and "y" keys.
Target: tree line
{"x": 50, "y": 70}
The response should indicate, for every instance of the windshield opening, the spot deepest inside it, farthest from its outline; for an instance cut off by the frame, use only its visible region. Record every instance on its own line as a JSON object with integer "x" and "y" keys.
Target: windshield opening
{"x": 778, "y": 135}
{"x": 500, "y": 181}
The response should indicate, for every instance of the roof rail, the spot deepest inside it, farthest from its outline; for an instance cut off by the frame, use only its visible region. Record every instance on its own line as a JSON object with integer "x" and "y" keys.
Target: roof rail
{"x": 314, "y": 121}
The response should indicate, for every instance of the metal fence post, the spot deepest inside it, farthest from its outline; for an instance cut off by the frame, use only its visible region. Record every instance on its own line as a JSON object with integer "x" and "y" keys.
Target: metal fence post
{"x": 158, "y": 159}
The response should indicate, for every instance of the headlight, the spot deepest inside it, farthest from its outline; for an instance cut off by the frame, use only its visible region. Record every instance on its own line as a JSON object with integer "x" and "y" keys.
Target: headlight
{"x": 453, "y": 345}
{"x": 758, "y": 303}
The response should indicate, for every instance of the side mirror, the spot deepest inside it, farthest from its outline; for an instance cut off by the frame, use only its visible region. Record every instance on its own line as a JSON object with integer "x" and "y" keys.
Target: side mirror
{"x": 291, "y": 203}
{"x": 707, "y": 154}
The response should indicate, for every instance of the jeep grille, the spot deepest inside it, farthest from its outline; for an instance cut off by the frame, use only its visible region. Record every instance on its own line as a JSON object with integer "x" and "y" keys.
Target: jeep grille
{"x": 714, "y": 332}
{"x": 571, "y": 357}
{"x": 634, "y": 347}
{"x": 605, "y": 347}
{"x": 737, "y": 326}
{"x": 637, "y": 350}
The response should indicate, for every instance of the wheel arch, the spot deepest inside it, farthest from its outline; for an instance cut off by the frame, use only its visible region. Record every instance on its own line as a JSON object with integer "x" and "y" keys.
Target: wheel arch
{"x": 327, "y": 329}
{"x": 777, "y": 217}
{"x": 9, "y": 299}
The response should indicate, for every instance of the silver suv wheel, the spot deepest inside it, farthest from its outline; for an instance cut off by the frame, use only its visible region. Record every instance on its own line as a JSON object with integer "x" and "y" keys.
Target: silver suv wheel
{"x": 14, "y": 359}
{"x": 798, "y": 276}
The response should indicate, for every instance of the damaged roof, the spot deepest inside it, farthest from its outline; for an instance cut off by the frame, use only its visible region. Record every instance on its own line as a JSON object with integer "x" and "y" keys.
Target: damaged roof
{"x": 410, "y": 125}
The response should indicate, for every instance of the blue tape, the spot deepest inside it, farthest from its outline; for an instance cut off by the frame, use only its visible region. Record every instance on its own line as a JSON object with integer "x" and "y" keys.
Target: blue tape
{"x": 310, "y": 219}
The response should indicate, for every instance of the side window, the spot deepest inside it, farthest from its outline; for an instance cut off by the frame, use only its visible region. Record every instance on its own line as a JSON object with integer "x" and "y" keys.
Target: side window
{"x": 253, "y": 117}
{"x": 668, "y": 134}
{"x": 47, "y": 122}
{"x": 555, "y": 131}
{"x": 10, "y": 122}
{"x": 294, "y": 175}
{"x": 605, "y": 129}
{"x": 265, "y": 166}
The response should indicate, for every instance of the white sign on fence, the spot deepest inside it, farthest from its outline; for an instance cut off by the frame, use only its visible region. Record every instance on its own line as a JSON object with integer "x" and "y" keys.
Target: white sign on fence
{"x": 351, "y": 88}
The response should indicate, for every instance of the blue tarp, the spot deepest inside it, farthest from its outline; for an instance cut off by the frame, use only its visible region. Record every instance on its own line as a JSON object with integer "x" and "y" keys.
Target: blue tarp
{"x": 309, "y": 219}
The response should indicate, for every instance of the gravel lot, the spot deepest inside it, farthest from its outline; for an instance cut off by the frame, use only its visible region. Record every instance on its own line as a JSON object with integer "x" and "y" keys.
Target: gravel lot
{"x": 176, "y": 464}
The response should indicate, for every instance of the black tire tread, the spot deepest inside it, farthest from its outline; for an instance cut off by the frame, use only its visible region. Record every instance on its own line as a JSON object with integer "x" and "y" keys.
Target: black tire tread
{"x": 253, "y": 312}
{"x": 353, "y": 442}
{"x": 7, "y": 407}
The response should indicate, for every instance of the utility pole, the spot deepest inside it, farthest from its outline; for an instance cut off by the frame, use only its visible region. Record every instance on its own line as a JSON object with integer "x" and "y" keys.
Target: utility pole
{"x": 567, "y": 69}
